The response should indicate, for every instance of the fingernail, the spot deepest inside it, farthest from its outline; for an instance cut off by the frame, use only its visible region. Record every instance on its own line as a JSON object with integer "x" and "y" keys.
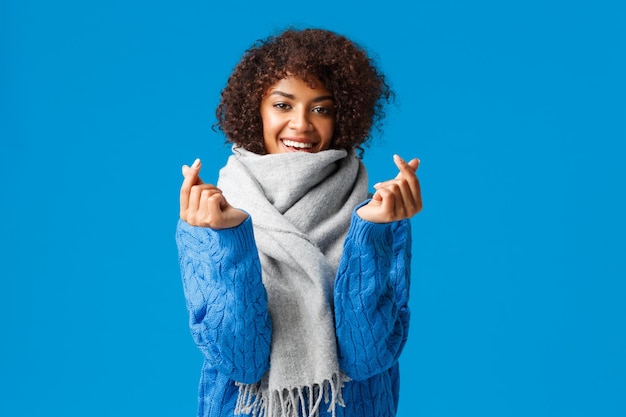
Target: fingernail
{"x": 196, "y": 163}
{"x": 397, "y": 158}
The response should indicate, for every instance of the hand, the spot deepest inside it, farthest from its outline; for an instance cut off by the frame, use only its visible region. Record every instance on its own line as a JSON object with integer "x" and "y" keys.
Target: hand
{"x": 203, "y": 204}
{"x": 396, "y": 199}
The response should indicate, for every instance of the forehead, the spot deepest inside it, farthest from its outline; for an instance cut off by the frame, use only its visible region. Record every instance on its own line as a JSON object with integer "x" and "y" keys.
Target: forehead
{"x": 299, "y": 87}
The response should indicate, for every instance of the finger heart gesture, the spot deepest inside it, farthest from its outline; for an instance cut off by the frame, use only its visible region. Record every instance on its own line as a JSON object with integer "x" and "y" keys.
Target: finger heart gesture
{"x": 203, "y": 204}
{"x": 395, "y": 199}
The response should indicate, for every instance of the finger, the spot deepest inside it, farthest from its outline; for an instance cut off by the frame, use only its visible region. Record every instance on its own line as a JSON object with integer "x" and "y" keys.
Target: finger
{"x": 214, "y": 202}
{"x": 206, "y": 201}
{"x": 191, "y": 179}
{"x": 199, "y": 191}
{"x": 408, "y": 173}
{"x": 194, "y": 200}
{"x": 414, "y": 164}
{"x": 193, "y": 171}
{"x": 376, "y": 196}
{"x": 408, "y": 198}
{"x": 414, "y": 184}
{"x": 411, "y": 197}
{"x": 406, "y": 169}
{"x": 193, "y": 197}
{"x": 388, "y": 204}
{"x": 197, "y": 212}
{"x": 405, "y": 202}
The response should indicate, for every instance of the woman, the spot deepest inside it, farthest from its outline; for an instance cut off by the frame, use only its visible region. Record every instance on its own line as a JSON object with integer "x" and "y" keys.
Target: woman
{"x": 296, "y": 282}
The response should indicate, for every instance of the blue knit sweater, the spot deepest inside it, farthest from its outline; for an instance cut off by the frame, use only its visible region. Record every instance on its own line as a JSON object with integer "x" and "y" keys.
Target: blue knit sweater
{"x": 230, "y": 323}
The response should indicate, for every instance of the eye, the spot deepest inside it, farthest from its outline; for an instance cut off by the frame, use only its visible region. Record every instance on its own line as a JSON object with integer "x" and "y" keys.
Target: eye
{"x": 327, "y": 111}
{"x": 281, "y": 106}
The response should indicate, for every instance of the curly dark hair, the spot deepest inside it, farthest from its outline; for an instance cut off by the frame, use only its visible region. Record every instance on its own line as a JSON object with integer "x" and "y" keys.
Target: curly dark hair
{"x": 359, "y": 89}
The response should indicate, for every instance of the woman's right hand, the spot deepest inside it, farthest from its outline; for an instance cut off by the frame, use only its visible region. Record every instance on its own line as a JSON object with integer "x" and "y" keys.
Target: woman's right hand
{"x": 203, "y": 204}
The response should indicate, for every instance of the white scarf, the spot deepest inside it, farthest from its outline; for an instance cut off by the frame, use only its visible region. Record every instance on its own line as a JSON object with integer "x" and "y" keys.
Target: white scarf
{"x": 301, "y": 205}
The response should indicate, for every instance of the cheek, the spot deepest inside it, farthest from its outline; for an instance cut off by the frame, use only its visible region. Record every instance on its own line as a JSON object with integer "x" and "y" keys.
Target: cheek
{"x": 264, "y": 118}
{"x": 270, "y": 122}
{"x": 330, "y": 129}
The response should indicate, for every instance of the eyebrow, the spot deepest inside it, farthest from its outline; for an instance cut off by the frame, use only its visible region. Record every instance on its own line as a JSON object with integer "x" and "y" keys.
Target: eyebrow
{"x": 292, "y": 97}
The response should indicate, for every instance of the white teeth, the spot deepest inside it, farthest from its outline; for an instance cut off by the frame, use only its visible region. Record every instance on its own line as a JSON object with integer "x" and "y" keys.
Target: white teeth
{"x": 295, "y": 144}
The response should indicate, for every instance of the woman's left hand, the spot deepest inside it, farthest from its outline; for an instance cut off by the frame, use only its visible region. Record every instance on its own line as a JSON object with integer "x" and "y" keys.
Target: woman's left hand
{"x": 396, "y": 199}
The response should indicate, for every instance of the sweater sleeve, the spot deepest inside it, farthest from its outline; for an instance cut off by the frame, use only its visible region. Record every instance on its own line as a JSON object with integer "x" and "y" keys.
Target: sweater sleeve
{"x": 371, "y": 296}
{"x": 226, "y": 299}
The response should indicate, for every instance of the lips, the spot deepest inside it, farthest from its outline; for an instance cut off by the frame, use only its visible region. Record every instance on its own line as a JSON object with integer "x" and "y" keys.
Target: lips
{"x": 297, "y": 144}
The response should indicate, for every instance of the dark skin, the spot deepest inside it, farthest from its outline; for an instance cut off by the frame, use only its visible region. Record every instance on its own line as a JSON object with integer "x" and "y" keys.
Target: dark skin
{"x": 396, "y": 199}
{"x": 203, "y": 204}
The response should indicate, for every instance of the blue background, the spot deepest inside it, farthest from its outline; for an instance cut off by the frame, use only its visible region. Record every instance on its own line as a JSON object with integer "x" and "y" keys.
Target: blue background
{"x": 516, "y": 109}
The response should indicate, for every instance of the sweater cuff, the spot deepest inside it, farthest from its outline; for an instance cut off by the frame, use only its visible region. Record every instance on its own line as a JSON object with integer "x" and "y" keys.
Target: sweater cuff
{"x": 366, "y": 231}
{"x": 235, "y": 241}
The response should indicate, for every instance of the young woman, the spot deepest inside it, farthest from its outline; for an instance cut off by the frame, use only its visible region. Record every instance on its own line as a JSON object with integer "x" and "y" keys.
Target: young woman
{"x": 296, "y": 281}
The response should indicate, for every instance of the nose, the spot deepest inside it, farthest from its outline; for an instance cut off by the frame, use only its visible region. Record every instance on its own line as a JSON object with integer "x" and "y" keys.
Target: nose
{"x": 300, "y": 121}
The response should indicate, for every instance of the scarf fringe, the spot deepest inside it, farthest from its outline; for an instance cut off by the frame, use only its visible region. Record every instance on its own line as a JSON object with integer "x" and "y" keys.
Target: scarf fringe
{"x": 296, "y": 402}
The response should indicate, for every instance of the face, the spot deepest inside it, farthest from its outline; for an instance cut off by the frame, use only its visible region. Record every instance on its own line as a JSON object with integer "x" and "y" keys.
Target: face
{"x": 297, "y": 117}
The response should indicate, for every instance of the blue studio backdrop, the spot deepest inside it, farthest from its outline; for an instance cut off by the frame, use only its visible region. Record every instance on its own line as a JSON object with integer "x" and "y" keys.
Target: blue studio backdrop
{"x": 516, "y": 110}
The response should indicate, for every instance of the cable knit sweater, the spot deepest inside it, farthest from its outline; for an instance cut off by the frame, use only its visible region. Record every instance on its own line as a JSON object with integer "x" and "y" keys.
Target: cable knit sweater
{"x": 230, "y": 323}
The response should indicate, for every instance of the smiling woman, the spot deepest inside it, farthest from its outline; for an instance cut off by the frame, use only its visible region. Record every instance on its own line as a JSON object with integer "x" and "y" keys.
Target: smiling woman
{"x": 323, "y": 60}
{"x": 297, "y": 116}
{"x": 296, "y": 282}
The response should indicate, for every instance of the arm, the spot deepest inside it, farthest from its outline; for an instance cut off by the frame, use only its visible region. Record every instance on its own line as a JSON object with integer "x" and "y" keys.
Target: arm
{"x": 371, "y": 296}
{"x": 226, "y": 299}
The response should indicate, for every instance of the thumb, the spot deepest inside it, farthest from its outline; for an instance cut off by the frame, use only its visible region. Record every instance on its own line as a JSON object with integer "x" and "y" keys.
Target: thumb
{"x": 414, "y": 163}
{"x": 406, "y": 168}
{"x": 192, "y": 172}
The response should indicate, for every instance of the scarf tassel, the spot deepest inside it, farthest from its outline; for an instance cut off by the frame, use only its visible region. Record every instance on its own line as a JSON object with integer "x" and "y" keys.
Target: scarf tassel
{"x": 296, "y": 402}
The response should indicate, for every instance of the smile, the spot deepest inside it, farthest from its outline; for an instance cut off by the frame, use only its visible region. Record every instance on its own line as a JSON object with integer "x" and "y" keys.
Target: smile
{"x": 299, "y": 145}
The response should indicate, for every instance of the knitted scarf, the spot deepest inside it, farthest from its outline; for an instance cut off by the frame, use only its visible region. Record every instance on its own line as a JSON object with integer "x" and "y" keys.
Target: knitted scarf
{"x": 301, "y": 205}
